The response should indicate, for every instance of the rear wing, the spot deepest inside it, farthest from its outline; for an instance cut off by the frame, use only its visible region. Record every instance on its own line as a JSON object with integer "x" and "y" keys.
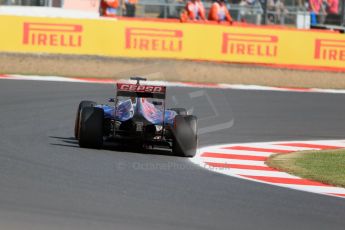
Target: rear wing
{"x": 136, "y": 90}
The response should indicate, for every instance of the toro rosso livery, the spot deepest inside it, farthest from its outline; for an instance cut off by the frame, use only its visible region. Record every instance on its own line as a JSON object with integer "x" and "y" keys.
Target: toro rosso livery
{"x": 138, "y": 115}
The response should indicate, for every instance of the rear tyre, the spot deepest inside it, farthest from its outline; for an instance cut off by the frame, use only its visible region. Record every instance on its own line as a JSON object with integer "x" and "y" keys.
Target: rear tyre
{"x": 180, "y": 111}
{"x": 185, "y": 141}
{"x": 82, "y": 105}
{"x": 91, "y": 128}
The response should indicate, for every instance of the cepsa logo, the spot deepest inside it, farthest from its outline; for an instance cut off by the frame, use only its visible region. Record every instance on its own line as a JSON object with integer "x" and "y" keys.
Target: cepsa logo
{"x": 149, "y": 39}
{"x": 141, "y": 88}
{"x": 54, "y": 35}
{"x": 250, "y": 44}
{"x": 331, "y": 50}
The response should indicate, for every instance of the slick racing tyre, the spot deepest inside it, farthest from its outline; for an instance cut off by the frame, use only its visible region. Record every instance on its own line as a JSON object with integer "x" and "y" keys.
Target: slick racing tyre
{"x": 82, "y": 105}
{"x": 179, "y": 111}
{"x": 185, "y": 139}
{"x": 91, "y": 127}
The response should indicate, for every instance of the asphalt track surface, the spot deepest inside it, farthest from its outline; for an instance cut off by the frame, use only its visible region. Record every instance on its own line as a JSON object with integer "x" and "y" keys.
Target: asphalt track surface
{"x": 48, "y": 182}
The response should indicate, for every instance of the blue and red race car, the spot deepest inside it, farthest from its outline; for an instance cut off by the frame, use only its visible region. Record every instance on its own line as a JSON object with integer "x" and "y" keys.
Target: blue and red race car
{"x": 138, "y": 115}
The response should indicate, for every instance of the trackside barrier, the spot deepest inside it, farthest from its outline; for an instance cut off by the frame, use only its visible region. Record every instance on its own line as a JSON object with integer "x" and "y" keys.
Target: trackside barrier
{"x": 154, "y": 39}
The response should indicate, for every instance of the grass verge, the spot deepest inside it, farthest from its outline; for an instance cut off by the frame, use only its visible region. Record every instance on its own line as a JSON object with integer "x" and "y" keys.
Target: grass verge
{"x": 323, "y": 166}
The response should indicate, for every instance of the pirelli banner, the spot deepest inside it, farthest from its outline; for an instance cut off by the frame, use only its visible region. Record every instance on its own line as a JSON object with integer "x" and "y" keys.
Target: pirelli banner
{"x": 132, "y": 38}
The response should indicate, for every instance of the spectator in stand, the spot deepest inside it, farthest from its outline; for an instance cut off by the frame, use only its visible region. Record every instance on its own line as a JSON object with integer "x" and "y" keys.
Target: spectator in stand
{"x": 280, "y": 10}
{"x": 332, "y": 9}
{"x": 193, "y": 11}
{"x": 332, "y": 6}
{"x": 201, "y": 8}
{"x": 130, "y": 7}
{"x": 243, "y": 10}
{"x": 314, "y": 9}
{"x": 108, "y": 8}
{"x": 323, "y": 12}
{"x": 219, "y": 12}
{"x": 271, "y": 8}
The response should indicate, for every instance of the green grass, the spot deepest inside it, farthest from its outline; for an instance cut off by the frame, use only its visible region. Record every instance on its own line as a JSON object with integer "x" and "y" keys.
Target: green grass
{"x": 324, "y": 166}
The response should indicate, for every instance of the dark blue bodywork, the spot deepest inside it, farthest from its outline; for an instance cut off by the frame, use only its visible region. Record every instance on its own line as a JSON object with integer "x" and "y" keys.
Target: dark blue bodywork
{"x": 127, "y": 109}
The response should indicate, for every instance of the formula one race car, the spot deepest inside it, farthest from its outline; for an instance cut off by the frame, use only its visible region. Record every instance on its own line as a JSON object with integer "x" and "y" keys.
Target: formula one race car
{"x": 138, "y": 116}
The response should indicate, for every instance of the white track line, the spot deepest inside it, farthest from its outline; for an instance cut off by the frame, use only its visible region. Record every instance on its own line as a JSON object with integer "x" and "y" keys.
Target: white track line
{"x": 179, "y": 84}
{"x": 238, "y": 152}
{"x": 202, "y": 160}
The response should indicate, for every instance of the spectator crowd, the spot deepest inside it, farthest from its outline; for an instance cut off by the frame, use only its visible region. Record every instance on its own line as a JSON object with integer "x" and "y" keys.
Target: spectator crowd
{"x": 277, "y": 11}
{"x": 194, "y": 10}
{"x": 321, "y": 11}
